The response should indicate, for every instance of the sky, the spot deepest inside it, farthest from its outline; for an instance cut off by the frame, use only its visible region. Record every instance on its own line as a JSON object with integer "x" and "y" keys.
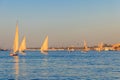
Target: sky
{"x": 66, "y": 22}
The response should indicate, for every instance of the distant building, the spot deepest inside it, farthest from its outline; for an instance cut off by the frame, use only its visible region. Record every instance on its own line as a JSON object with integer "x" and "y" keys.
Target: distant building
{"x": 116, "y": 46}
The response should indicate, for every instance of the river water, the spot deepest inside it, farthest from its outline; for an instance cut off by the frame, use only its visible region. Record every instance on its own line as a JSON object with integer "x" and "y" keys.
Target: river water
{"x": 60, "y": 65}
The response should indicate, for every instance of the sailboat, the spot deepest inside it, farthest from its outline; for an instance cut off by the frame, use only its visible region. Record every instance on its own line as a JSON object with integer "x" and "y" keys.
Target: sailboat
{"x": 44, "y": 47}
{"x": 85, "y": 47}
{"x": 100, "y": 47}
{"x": 22, "y": 47}
{"x": 16, "y": 43}
{"x": 71, "y": 48}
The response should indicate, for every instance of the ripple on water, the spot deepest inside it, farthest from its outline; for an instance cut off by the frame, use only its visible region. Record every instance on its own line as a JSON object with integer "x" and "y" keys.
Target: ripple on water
{"x": 61, "y": 65}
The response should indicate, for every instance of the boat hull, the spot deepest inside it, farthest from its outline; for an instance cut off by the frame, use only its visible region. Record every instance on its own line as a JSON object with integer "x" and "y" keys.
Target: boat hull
{"x": 11, "y": 54}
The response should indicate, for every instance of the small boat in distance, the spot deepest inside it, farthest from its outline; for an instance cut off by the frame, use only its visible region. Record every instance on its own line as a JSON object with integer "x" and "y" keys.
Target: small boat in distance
{"x": 44, "y": 47}
{"x": 70, "y": 49}
{"x": 85, "y": 49}
{"x": 22, "y": 47}
{"x": 100, "y": 47}
{"x": 16, "y": 43}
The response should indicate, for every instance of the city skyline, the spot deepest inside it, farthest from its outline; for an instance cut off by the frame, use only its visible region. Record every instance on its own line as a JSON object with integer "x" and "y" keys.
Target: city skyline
{"x": 66, "y": 22}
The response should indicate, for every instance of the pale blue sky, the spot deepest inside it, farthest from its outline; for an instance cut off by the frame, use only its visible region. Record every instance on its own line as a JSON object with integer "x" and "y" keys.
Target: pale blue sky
{"x": 66, "y": 22}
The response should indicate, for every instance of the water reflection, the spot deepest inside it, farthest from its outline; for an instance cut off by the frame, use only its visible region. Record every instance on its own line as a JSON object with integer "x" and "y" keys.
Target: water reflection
{"x": 61, "y": 66}
{"x": 45, "y": 66}
{"x": 23, "y": 67}
{"x": 16, "y": 66}
{"x": 45, "y": 61}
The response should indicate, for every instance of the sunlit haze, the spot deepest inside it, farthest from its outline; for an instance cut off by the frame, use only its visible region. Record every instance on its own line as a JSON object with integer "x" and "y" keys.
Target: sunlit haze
{"x": 66, "y": 22}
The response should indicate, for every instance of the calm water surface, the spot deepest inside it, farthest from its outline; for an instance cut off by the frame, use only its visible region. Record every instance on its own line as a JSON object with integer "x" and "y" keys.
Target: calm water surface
{"x": 60, "y": 65}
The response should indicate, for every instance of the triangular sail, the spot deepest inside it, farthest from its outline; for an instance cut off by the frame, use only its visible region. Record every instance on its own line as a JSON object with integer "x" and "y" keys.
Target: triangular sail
{"x": 16, "y": 40}
{"x": 100, "y": 47}
{"x": 23, "y": 45}
{"x": 44, "y": 47}
{"x": 85, "y": 46}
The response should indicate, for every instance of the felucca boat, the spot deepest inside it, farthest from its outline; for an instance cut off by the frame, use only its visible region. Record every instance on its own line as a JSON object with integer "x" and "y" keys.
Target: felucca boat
{"x": 85, "y": 49}
{"x": 100, "y": 47}
{"x": 44, "y": 47}
{"x": 22, "y": 47}
{"x": 16, "y": 43}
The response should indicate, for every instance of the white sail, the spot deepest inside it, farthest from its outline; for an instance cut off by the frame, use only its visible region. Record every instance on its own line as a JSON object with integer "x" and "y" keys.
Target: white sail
{"x": 44, "y": 47}
{"x": 23, "y": 45}
{"x": 16, "y": 40}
